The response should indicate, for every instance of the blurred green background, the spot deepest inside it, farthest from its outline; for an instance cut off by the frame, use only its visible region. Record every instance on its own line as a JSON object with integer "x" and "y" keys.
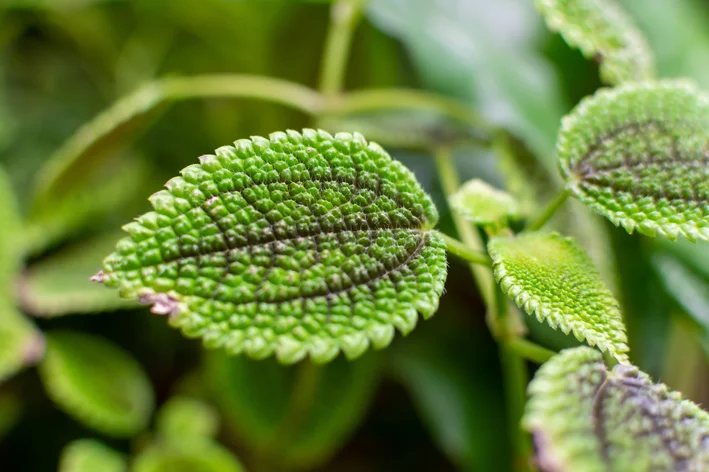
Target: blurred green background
{"x": 431, "y": 401}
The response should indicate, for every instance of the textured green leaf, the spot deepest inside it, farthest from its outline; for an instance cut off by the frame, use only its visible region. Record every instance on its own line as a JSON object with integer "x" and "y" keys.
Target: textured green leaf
{"x": 21, "y": 344}
{"x": 97, "y": 383}
{"x": 638, "y": 155}
{"x": 184, "y": 419}
{"x": 552, "y": 278}
{"x": 587, "y": 418}
{"x": 187, "y": 457}
{"x": 602, "y": 30}
{"x": 295, "y": 244}
{"x": 484, "y": 205}
{"x": 256, "y": 398}
{"x": 57, "y": 285}
{"x": 89, "y": 455}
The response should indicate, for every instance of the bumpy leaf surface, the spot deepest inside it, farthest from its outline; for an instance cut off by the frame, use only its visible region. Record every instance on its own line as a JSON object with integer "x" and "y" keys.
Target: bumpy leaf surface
{"x": 639, "y": 155}
{"x": 297, "y": 244}
{"x": 96, "y": 382}
{"x": 602, "y": 30}
{"x": 88, "y": 455}
{"x": 484, "y": 205}
{"x": 552, "y": 278}
{"x": 585, "y": 418}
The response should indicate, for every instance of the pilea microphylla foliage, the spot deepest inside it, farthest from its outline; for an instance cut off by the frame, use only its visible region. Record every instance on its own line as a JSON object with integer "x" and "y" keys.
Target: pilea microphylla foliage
{"x": 292, "y": 257}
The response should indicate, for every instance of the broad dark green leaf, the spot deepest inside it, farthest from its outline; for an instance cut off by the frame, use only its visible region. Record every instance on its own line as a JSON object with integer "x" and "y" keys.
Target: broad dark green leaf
{"x": 639, "y": 155}
{"x": 294, "y": 245}
{"x": 89, "y": 455}
{"x": 585, "y": 417}
{"x": 97, "y": 383}
{"x": 552, "y": 278}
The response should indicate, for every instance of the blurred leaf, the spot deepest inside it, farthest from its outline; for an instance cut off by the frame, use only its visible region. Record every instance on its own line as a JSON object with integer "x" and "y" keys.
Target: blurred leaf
{"x": 637, "y": 155}
{"x": 602, "y": 30}
{"x": 184, "y": 419}
{"x": 555, "y": 280}
{"x": 483, "y": 52}
{"x": 59, "y": 284}
{"x": 690, "y": 291}
{"x": 97, "y": 383}
{"x": 11, "y": 409}
{"x": 483, "y": 205}
{"x": 89, "y": 455}
{"x": 257, "y": 398}
{"x": 21, "y": 344}
{"x": 586, "y": 418}
{"x": 11, "y": 254}
{"x": 326, "y": 241}
{"x": 187, "y": 457}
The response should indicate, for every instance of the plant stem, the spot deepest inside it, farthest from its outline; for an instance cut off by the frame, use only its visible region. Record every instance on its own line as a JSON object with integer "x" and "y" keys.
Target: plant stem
{"x": 530, "y": 350}
{"x": 462, "y": 251}
{"x": 547, "y": 212}
{"x": 344, "y": 17}
{"x": 515, "y": 378}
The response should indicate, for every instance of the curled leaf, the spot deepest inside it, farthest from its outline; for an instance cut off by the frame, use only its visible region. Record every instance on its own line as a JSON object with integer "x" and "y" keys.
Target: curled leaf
{"x": 602, "y": 30}
{"x": 639, "y": 155}
{"x": 484, "y": 205}
{"x": 97, "y": 383}
{"x": 587, "y": 418}
{"x": 184, "y": 419}
{"x": 88, "y": 455}
{"x": 552, "y": 278}
{"x": 294, "y": 245}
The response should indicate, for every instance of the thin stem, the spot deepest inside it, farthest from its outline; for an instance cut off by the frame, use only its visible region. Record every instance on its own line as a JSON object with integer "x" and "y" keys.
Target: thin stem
{"x": 344, "y": 17}
{"x": 545, "y": 215}
{"x": 515, "y": 378}
{"x": 530, "y": 350}
{"x": 466, "y": 253}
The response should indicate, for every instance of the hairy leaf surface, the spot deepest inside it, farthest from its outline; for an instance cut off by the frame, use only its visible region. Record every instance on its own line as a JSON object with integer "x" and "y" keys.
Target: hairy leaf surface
{"x": 639, "y": 155}
{"x": 587, "y": 418}
{"x": 89, "y": 455}
{"x": 482, "y": 204}
{"x": 602, "y": 30}
{"x": 97, "y": 383}
{"x": 297, "y": 244}
{"x": 552, "y": 278}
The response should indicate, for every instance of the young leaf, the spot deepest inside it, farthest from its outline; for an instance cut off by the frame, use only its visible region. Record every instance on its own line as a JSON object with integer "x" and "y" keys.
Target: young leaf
{"x": 186, "y": 419}
{"x": 587, "y": 418}
{"x": 97, "y": 383}
{"x": 484, "y": 205}
{"x": 57, "y": 285}
{"x": 295, "y": 244}
{"x": 639, "y": 155}
{"x": 199, "y": 456}
{"x": 88, "y": 455}
{"x": 21, "y": 344}
{"x": 552, "y": 278}
{"x": 602, "y": 30}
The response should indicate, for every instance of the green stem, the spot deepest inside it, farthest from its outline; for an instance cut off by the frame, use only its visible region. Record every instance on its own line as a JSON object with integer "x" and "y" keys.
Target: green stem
{"x": 547, "y": 212}
{"x": 515, "y": 378}
{"x": 344, "y": 17}
{"x": 530, "y": 350}
{"x": 462, "y": 251}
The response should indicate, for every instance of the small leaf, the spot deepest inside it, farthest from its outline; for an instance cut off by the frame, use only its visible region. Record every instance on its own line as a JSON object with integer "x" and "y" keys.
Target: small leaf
{"x": 184, "y": 419}
{"x": 21, "y": 344}
{"x": 88, "y": 455}
{"x": 586, "y": 418}
{"x": 291, "y": 245}
{"x": 552, "y": 278}
{"x": 97, "y": 383}
{"x": 484, "y": 205}
{"x": 639, "y": 155}
{"x": 10, "y": 238}
{"x": 602, "y": 30}
{"x": 188, "y": 457}
{"x": 57, "y": 285}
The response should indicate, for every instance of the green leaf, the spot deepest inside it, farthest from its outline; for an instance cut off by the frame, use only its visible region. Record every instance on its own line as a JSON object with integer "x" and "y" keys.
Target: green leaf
{"x": 587, "y": 418}
{"x": 97, "y": 383}
{"x": 21, "y": 344}
{"x": 637, "y": 154}
{"x": 257, "y": 398}
{"x": 184, "y": 419}
{"x": 11, "y": 409}
{"x": 57, "y": 285}
{"x": 483, "y": 205}
{"x": 552, "y": 278}
{"x": 291, "y": 245}
{"x": 89, "y": 455}
{"x": 187, "y": 457}
{"x": 10, "y": 238}
{"x": 602, "y": 31}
